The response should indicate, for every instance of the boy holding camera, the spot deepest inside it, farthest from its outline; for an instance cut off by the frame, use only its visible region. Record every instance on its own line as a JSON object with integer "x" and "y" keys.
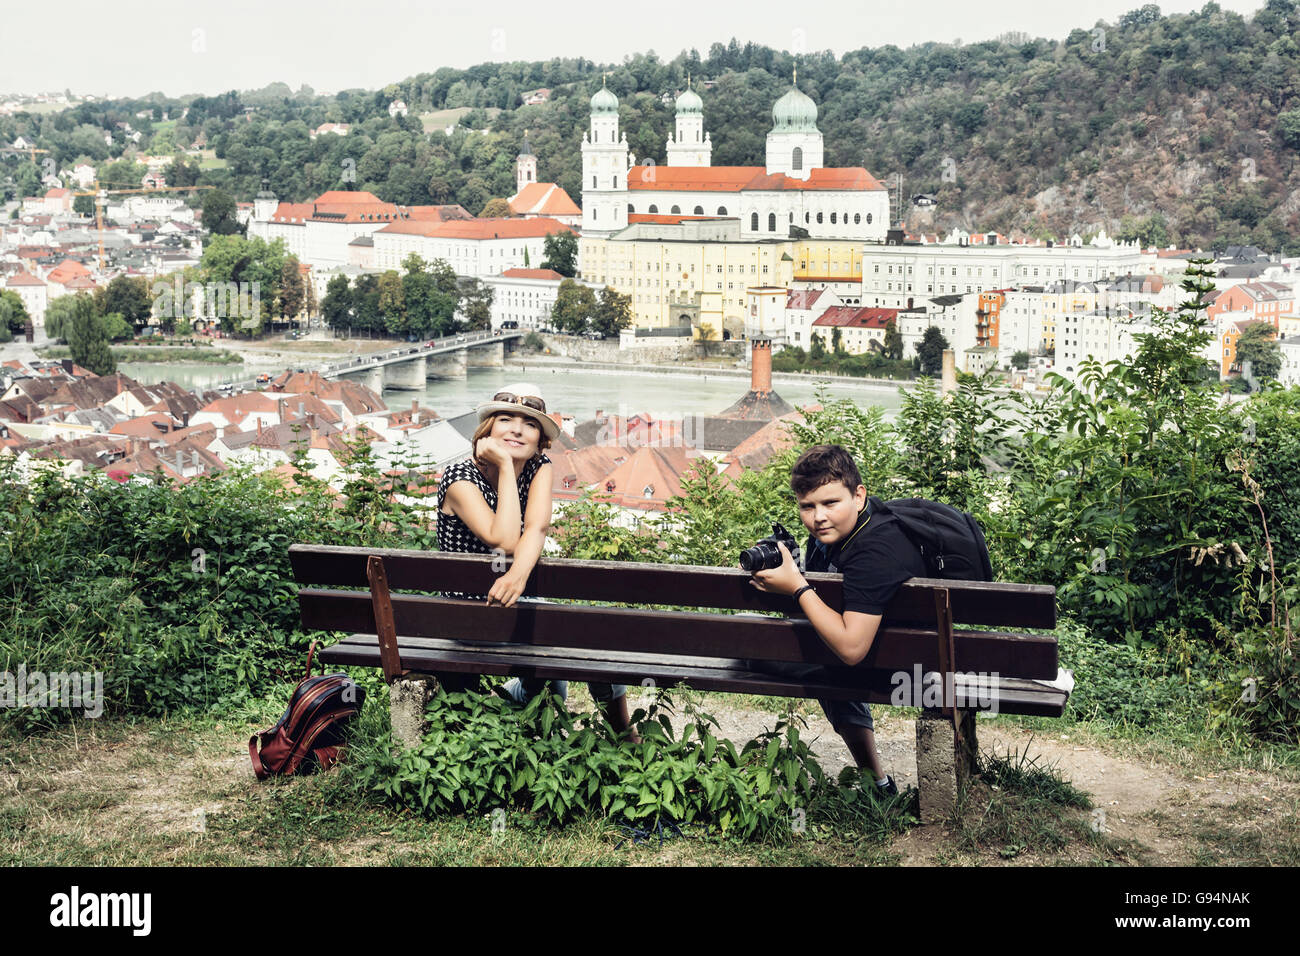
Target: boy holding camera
{"x": 832, "y": 505}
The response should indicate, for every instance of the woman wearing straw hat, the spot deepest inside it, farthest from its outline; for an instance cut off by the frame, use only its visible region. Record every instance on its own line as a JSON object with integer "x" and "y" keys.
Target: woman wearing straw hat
{"x": 499, "y": 501}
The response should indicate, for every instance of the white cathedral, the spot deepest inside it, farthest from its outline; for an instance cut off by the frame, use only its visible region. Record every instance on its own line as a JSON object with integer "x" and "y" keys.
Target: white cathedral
{"x": 793, "y": 189}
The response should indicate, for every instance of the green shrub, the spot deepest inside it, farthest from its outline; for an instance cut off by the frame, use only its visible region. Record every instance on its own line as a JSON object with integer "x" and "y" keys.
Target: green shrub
{"x": 482, "y": 754}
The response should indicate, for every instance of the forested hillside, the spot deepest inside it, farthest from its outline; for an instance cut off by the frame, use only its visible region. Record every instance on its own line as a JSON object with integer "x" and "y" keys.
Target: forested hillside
{"x": 1178, "y": 129}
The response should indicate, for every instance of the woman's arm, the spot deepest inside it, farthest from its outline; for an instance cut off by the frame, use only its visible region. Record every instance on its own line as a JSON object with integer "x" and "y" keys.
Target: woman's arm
{"x": 537, "y": 518}
{"x": 499, "y": 529}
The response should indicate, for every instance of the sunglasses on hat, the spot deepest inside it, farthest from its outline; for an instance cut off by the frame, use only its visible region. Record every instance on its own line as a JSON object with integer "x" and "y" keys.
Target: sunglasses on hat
{"x": 528, "y": 401}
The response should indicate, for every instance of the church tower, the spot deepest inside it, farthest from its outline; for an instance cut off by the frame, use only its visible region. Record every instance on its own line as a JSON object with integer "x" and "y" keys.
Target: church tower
{"x": 690, "y": 146}
{"x": 794, "y": 147}
{"x": 525, "y": 167}
{"x": 264, "y": 203}
{"x": 604, "y": 169}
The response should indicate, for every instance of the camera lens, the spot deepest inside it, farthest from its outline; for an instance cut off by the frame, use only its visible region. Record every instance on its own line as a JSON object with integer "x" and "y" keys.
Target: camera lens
{"x": 760, "y": 557}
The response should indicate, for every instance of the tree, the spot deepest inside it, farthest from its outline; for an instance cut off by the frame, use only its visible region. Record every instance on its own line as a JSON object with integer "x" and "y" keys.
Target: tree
{"x": 613, "y": 312}
{"x": 13, "y": 314}
{"x": 219, "y": 213}
{"x": 84, "y": 206}
{"x": 816, "y": 348}
{"x": 1020, "y": 360}
{"x": 57, "y": 316}
{"x": 476, "y": 304}
{"x": 116, "y": 327}
{"x": 893, "y": 341}
{"x": 495, "y": 209}
{"x": 1258, "y": 346}
{"x": 1288, "y": 128}
{"x": 87, "y": 338}
{"x": 392, "y": 300}
{"x": 931, "y": 351}
{"x": 573, "y": 308}
{"x": 292, "y": 291}
{"x": 128, "y": 296}
{"x": 561, "y": 249}
{"x": 708, "y": 338}
{"x": 336, "y": 309}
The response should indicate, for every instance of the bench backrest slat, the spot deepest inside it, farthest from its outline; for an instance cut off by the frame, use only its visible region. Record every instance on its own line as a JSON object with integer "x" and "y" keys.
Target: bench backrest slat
{"x": 672, "y": 632}
{"x": 973, "y": 603}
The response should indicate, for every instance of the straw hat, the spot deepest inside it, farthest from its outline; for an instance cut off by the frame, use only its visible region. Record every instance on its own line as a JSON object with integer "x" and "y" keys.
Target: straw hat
{"x": 527, "y": 392}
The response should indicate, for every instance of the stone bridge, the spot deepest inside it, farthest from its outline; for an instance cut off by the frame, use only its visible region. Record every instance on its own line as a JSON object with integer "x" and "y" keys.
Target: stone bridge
{"x": 408, "y": 366}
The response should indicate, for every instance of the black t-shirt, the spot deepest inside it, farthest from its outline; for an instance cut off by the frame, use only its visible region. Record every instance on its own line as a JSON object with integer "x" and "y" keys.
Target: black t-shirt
{"x": 879, "y": 558}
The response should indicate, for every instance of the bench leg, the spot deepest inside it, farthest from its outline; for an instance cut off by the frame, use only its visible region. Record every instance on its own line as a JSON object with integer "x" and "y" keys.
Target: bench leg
{"x": 943, "y": 763}
{"x": 407, "y": 697}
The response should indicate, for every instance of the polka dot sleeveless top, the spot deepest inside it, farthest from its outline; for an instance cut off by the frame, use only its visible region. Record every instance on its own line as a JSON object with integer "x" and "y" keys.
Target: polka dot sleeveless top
{"x": 453, "y": 533}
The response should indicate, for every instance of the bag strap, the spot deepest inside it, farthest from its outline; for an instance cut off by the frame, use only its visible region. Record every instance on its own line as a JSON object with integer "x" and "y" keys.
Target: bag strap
{"x": 259, "y": 768}
{"x": 310, "y": 653}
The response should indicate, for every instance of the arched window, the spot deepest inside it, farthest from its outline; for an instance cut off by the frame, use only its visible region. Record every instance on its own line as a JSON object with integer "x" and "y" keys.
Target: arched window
{"x": 868, "y": 219}
{"x": 796, "y": 159}
{"x": 819, "y": 219}
{"x": 771, "y": 222}
{"x": 857, "y": 218}
{"x": 722, "y": 210}
{"x": 807, "y": 218}
{"x": 832, "y": 219}
{"x": 699, "y": 211}
{"x": 595, "y": 214}
{"x": 753, "y": 221}
{"x": 676, "y": 210}
{"x": 593, "y": 182}
{"x": 630, "y": 209}
{"x": 615, "y": 182}
{"x": 653, "y": 209}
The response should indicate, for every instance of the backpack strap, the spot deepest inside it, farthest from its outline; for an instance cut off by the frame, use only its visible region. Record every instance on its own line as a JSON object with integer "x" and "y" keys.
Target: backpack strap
{"x": 310, "y": 652}
{"x": 259, "y": 768}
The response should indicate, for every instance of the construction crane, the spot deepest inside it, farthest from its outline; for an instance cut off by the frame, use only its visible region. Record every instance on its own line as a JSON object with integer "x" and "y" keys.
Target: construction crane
{"x": 101, "y": 200}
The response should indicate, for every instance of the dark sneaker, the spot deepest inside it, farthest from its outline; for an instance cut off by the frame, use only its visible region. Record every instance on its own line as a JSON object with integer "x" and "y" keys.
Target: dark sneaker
{"x": 888, "y": 788}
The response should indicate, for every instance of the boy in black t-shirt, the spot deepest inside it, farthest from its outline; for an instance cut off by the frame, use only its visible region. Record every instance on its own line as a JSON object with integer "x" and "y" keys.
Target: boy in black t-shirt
{"x": 832, "y": 506}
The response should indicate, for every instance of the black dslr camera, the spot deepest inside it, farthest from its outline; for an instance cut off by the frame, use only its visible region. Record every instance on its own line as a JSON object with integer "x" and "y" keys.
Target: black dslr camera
{"x": 765, "y": 555}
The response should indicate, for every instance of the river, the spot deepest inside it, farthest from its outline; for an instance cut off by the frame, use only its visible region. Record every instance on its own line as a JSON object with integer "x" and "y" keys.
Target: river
{"x": 573, "y": 390}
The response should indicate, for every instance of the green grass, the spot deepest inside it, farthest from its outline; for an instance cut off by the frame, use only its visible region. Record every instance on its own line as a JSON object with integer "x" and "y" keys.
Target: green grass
{"x": 147, "y": 353}
{"x": 1017, "y": 807}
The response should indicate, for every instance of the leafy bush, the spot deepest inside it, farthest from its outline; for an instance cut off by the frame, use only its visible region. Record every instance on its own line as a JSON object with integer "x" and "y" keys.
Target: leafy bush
{"x": 482, "y": 753}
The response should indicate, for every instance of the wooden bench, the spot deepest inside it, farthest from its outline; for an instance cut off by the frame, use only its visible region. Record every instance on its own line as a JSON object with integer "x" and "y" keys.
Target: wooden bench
{"x": 407, "y": 635}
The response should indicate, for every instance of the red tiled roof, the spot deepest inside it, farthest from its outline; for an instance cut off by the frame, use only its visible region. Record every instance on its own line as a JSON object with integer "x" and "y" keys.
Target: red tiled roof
{"x": 802, "y": 299}
{"x": 668, "y": 220}
{"x": 532, "y": 274}
{"x": 24, "y": 278}
{"x": 437, "y": 213}
{"x": 738, "y": 178}
{"x": 66, "y": 270}
{"x": 478, "y": 228}
{"x": 544, "y": 199}
{"x": 292, "y": 212}
{"x": 339, "y": 205}
{"x": 847, "y": 316}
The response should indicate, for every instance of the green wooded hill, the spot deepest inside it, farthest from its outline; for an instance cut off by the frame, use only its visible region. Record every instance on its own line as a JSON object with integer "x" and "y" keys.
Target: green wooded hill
{"x": 1176, "y": 129}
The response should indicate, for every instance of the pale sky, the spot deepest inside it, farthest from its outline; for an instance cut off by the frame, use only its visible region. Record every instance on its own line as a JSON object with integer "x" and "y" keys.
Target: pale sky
{"x": 209, "y": 46}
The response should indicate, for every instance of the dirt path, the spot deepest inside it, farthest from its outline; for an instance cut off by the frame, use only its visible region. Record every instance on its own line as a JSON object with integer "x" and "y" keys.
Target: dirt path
{"x": 1160, "y": 806}
{"x": 124, "y": 795}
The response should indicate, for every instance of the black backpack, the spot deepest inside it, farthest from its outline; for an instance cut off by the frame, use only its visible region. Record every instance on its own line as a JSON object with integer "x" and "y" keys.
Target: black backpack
{"x": 951, "y": 542}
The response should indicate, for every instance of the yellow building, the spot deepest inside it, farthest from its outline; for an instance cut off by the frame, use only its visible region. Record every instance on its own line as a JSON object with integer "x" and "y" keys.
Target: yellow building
{"x": 828, "y": 260}
{"x": 686, "y": 271}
